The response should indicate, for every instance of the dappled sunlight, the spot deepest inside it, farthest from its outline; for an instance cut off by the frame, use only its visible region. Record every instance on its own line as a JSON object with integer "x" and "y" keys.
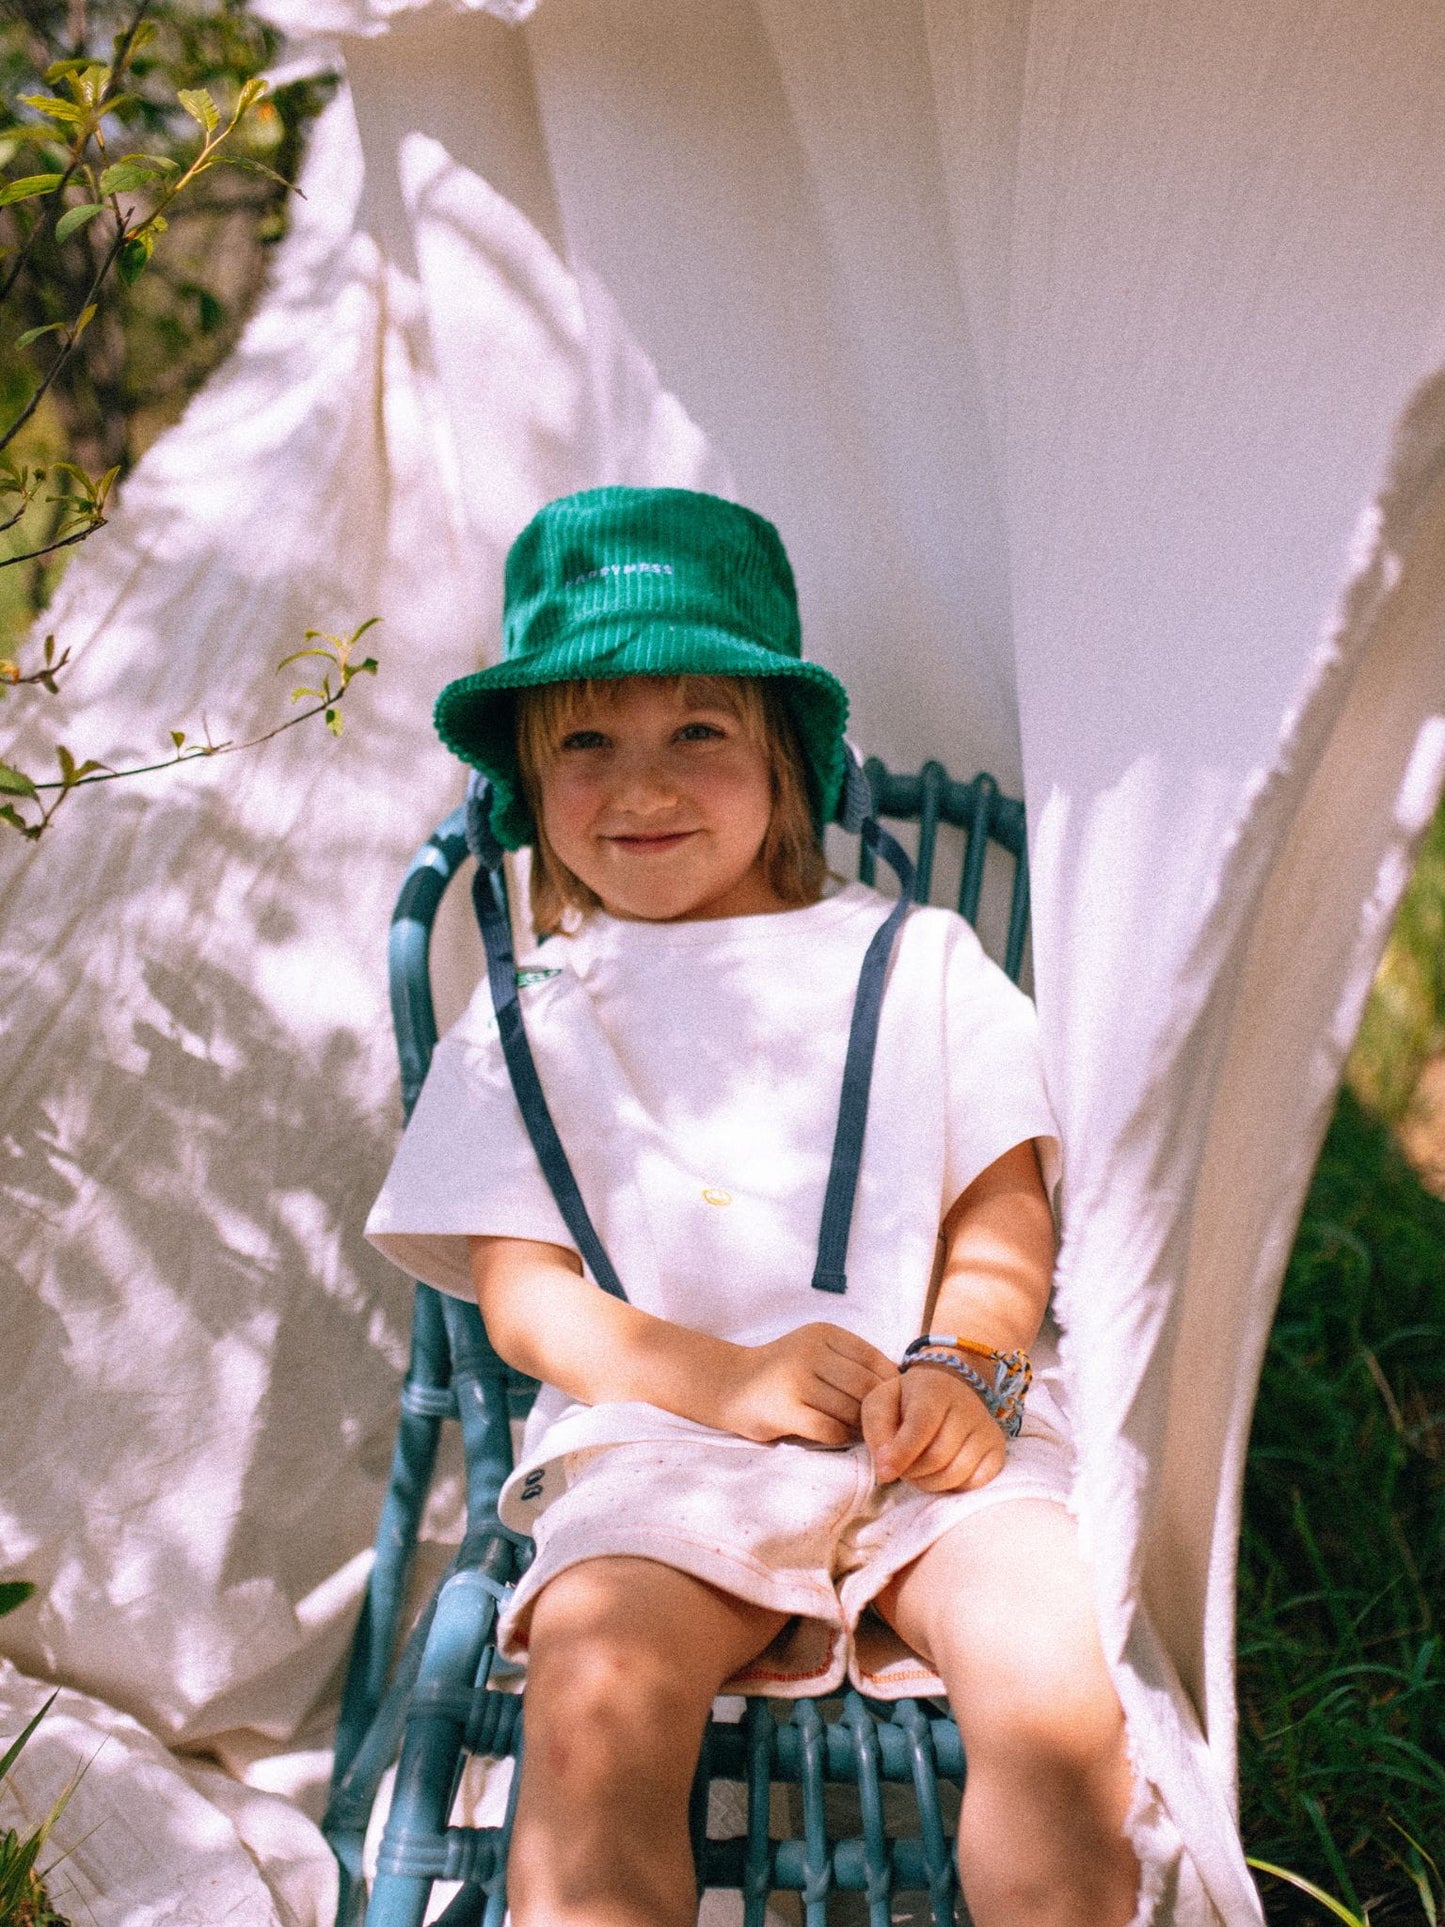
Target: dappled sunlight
{"x": 1106, "y": 460}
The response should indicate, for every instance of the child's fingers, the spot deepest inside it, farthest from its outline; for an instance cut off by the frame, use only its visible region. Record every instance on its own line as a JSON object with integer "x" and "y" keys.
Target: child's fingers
{"x": 850, "y": 1375}
{"x": 819, "y": 1428}
{"x": 879, "y": 1416}
{"x": 940, "y": 1448}
{"x": 918, "y": 1423}
{"x": 952, "y": 1430}
{"x": 979, "y": 1460}
{"x": 838, "y": 1404}
{"x": 847, "y": 1345}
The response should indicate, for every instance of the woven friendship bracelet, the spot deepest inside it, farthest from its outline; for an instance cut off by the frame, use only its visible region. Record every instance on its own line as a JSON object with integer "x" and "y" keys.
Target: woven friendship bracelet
{"x": 951, "y": 1342}
{"x": 1013, "y": 1374}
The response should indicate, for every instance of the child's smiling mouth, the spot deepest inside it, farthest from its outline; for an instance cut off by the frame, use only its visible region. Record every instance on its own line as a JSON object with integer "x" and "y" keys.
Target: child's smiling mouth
{"x": 647, "y": 845}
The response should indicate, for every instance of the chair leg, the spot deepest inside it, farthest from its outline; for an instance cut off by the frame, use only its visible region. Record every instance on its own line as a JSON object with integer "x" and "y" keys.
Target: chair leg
{"x": 426, "y": 1398}
{"x": 454, "y": 1664}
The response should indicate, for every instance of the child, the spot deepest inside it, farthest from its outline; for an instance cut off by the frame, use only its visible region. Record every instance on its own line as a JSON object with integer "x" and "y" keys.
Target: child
{"x": 738, "y": 1482}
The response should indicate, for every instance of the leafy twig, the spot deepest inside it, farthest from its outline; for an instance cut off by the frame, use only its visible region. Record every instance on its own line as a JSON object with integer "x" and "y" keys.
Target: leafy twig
{"x": 93, "y": 91}
{"x": 13, "y": 677}
{"x": 326, "y": 702}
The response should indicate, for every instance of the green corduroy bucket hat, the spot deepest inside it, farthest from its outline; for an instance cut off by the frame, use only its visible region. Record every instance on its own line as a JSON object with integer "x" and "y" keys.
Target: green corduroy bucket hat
{"x": 642, "y": 582}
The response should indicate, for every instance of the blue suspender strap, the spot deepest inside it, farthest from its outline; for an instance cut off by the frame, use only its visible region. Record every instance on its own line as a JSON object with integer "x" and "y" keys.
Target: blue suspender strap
{"x": 489, "y": 899}
{"x": 829, "y": 1273}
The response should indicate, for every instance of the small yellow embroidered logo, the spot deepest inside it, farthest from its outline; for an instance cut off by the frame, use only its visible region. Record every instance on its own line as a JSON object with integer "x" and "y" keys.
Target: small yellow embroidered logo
{"x": 712, "y": 1195}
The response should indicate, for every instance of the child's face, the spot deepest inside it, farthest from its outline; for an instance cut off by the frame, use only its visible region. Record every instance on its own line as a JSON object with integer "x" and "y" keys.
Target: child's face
{"x": 660, "y": 804}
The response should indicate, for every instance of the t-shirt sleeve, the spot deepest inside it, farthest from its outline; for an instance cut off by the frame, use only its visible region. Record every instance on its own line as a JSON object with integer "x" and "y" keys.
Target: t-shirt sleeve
{"x": 465, "y": 1167}
{"x": 997, "y": 1096}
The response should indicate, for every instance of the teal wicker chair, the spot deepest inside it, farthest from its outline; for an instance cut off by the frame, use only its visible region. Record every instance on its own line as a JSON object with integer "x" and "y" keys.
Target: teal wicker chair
{"x": 433, "y": 1700}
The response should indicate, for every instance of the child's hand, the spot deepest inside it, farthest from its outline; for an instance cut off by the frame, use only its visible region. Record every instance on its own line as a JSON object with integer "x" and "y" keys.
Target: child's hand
{"x": 927, "y": 1426}
{"x": 808, "y": 1384}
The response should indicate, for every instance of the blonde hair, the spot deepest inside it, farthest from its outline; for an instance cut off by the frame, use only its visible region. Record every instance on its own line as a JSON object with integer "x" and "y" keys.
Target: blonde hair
{"x": 792, "y": 852}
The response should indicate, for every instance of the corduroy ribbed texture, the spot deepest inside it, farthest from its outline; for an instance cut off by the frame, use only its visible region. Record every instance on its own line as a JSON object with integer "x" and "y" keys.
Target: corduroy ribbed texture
{"x": 642, "y": 582}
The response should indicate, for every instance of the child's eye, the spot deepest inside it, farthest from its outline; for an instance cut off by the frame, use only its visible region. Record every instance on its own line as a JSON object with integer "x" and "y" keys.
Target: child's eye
{"x": 700, "y": 733}
{"x": 583, "y": 739}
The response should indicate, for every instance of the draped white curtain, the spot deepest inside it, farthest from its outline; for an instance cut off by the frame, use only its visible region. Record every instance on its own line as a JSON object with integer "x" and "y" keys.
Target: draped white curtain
{"x": 1088, "y": 354}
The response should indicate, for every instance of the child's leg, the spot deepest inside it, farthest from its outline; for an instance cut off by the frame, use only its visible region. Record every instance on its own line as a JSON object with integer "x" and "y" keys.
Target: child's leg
{"x": 624, "y": 1659}
{"x": 1001, "y": 1607}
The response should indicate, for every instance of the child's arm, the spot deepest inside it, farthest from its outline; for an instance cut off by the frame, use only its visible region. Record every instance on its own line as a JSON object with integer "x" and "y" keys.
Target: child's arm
{"x": 546, "y": 1319}
{"x": 928, "y": 1425}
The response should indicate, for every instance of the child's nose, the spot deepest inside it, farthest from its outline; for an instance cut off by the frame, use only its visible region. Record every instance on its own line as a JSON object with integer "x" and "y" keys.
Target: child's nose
{"x": 645, "y": 783}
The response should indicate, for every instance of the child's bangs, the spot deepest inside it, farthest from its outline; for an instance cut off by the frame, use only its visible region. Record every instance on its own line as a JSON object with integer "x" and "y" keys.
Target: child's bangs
{"x": 545, "y": 714}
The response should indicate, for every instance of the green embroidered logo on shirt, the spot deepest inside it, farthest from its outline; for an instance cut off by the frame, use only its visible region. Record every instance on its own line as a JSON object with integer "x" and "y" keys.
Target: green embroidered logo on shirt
{"x": 534, "y": 974}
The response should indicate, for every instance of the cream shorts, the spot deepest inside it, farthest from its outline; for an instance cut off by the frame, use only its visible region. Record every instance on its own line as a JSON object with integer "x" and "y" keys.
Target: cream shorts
{"x": 798, "y": 1528}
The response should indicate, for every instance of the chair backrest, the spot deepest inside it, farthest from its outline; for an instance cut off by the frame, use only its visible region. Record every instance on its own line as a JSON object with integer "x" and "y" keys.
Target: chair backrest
{"x": 408, "y": 952}
{"x": 978, "y": 808}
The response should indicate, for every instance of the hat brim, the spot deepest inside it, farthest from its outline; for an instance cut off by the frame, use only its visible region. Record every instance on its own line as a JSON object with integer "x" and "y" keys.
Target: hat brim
{"x": 475, "y": 716}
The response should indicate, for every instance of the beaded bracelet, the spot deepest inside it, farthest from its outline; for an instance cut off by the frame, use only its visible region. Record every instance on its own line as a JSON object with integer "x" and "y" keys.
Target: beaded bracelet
{"x": 1013, "y": 1374}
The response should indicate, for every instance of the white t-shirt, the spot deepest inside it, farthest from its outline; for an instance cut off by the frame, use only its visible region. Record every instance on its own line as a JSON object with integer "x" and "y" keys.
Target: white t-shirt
{"x": 693, "y": 1071}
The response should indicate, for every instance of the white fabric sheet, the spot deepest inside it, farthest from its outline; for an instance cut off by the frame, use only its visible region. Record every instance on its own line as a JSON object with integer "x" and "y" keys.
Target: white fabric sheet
{"x": 1089, "y": 356}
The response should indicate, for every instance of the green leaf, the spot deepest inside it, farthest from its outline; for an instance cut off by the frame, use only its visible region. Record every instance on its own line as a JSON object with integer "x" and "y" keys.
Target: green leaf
{"x": 34, "y": 334}
{"x": 131, "y": 264}
{"x": 143, "y": 35}
{"x": 1337, "y": 1908}
{"x": 54, "y": 108}
{"x": 26, "y": 130}
{"x": 135, "y": 170}
{"x": 85, "y": 78}
{"x": 18, "y": 1747}
{"x": 76, "y": 217}
{"x": 249, "y": 95}
{"x": 71, "y": 772}
{"x": 10, "y": 815}
{"x": 252, "y": 166}
{"x": 201, "y": 108}
{"x": 178, "y": 737}
{"x": 333, "y": 721}
{"x": 14, "y": 782}
{"x": 13, "y": 1593}
{"x": 27, "y": 187}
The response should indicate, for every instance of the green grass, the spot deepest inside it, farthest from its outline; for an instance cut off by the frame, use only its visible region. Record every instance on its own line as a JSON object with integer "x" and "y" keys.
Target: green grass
{"x": 23, "y": 1899}
{"x": 1342, "y": 1579}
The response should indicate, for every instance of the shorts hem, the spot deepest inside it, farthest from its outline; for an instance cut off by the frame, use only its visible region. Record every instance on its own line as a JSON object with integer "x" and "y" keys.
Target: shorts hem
{"x": 905, "y": 1683}
{"x": 872, "y": 1578}
{"x": 743, "y": 1578}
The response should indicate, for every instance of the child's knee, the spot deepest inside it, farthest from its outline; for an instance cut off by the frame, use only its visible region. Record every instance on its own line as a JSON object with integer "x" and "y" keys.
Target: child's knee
{"x": 602, "y": 1684}
{"x": 1048, "y": 1699}
{"x": 1070, "y": 1721}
